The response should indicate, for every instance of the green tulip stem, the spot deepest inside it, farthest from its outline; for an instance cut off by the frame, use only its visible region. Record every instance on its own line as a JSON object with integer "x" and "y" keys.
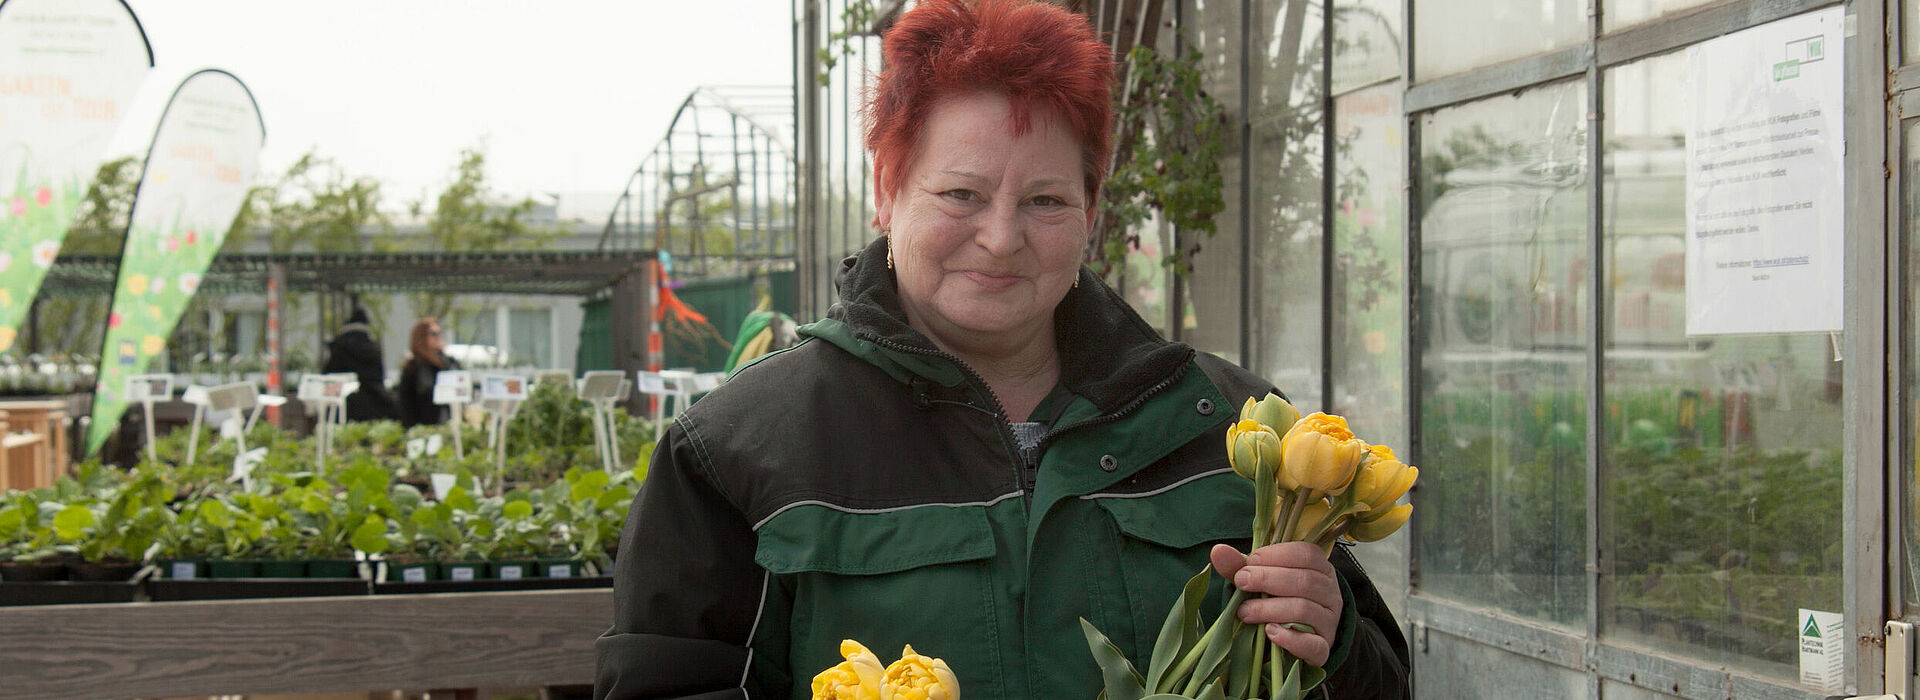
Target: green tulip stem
{"x": 1296, "y": 507}
{"x": 1259, "y": 663}
{"x": 1342, "y": 509}
{"x": 1277, "y": 672}
{"x": 1228, "y": 622}
{"x": 1265, "y": 492}
{"x": 1326, "y": 539}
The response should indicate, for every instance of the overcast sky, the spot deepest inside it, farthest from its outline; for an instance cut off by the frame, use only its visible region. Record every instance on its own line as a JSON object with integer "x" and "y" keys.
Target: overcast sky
{"x": 566, "y": 95}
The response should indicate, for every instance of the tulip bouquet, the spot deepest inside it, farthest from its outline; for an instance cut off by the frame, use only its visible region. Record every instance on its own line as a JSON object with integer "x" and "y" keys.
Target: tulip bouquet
{"x": 1313, "y": 481}
{"x": 860, "y": 677}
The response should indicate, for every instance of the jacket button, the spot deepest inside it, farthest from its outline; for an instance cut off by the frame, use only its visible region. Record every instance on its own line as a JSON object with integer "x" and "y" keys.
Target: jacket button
{"x": 1205, "y": 407}
{"x": 1108, "y": 463}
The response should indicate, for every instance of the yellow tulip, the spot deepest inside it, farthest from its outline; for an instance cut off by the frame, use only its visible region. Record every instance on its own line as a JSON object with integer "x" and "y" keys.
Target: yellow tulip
{"x": 857, "y": 678}
{"x": 1378, "y": 528}
{"x": 1309, "y": 517}
{"x": 1382, "y": 480}
{"x": 1248, "y": 443}
{"x": 1272, "y": 411}
{"x": 916, "y": 677}
{"x": 1319, "y": 454}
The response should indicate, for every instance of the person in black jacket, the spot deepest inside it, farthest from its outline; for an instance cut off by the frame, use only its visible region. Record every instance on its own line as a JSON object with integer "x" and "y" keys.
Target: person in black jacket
{"x": 354, "y": 350}
{"x": 982, "y": 445}
{"x": 427, "y": 356}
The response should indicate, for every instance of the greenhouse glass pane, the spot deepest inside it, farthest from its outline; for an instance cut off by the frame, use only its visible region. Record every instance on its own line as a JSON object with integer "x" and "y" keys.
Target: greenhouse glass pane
{"x": 1910, "y": 25}
{"x": 532, "y": 331}
{"x": 1289, "y": 127}
{"x": 1453, "y": 36}
{"x": 1912, "y": 322}
{"x": 1722, "y": 490}
{"x": 1368, "y": 43}
{"x": 1502, "y": 506}
{"x": 1369, "y": 286}
{"x": 1212, "y": 319}
{"x": 1617, "y": 14}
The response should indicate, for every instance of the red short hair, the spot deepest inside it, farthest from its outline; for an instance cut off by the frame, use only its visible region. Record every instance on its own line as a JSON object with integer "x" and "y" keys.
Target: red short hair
{"x": 1038, "y": 55}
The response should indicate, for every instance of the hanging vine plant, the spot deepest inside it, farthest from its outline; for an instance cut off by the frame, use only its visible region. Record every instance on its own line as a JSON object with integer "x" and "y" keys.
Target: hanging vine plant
{"x": 1167, "y": 159}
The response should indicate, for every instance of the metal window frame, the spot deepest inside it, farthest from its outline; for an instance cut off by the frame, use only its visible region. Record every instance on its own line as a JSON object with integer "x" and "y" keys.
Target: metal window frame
{"x": 1870, "y": 575}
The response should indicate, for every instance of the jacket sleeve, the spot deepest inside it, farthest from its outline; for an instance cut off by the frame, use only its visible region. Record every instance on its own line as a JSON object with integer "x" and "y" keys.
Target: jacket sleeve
{"x": 687, "y": 593}
{"x": 1370, "y": 660}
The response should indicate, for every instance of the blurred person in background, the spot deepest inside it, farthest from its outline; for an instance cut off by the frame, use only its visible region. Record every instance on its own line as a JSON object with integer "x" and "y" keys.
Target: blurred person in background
{"x": 354, "y": 350}
{"x": 426, "y": 356}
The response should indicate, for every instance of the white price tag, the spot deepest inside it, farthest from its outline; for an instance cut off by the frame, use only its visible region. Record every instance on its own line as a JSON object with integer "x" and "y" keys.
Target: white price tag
{"x": 460, "y": 573}
{"x": 416, "y": 447}
{"x": 442, "y": 483}
{"x": 559, "y": 571}
{"x": 510, "y": 572}
{"x": 414, "y": 574}
{"x": 434, "y": 444}
{"x": 182, "y": 570}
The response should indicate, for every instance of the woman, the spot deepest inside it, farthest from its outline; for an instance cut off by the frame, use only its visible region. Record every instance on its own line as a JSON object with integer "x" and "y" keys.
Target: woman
{"x": 427, "y": 356}
{"x": 981, "y": 444}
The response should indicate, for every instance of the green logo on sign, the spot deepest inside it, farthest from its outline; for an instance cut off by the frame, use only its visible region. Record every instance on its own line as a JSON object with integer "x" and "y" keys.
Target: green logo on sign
{"x": 1783, "y": 70}
{"x": 1812, "y": 630}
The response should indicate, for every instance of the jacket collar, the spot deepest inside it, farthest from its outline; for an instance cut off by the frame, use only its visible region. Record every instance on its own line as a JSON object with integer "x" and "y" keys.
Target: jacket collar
{"x": 1108, "y": 354}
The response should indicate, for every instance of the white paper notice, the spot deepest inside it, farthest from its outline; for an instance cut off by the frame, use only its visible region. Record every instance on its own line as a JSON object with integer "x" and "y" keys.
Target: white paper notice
{"x": 1764, "y": 183}
{"x": 1822, "y": 650}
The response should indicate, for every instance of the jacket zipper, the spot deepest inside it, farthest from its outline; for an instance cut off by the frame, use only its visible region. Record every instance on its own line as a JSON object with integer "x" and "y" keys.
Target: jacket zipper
{"x": 1021, "y": 466}
{"x": 1178, "y": 372}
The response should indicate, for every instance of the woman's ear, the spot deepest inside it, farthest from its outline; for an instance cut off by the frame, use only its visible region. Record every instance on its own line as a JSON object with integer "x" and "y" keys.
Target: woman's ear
{"x": 883, "y": 212}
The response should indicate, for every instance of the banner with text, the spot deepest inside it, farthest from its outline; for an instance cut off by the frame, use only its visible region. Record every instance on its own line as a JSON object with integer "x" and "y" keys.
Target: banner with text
{"x": 68, "y": 70}
{"x": 1765, "y": 143}
{"x": 203, "y": 158}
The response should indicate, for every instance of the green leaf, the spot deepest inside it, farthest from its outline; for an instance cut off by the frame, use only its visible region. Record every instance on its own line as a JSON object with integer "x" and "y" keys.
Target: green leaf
{"x": 1122, "y": 682}
{"x": 459, "y": 500}
{"x": 1310, "y": 676}
{"x": 371, "y": 536}
{"x": 1212, "y": 692}
{"x": 517, "y": 510}
{"x": 1181, "y": 630}
{"x": 72, "y": 522}
{"x": 1240, "y": 663}
{"x": 1290, "y": 688}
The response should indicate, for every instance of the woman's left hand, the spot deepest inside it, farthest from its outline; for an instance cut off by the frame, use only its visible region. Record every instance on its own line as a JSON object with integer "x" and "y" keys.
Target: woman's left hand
{"x": 1301, "y": 587}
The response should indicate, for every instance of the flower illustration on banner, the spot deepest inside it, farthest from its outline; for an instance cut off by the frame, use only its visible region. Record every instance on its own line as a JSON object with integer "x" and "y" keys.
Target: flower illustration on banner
{"x": 136, "y": 284}
{"x": 192, "y": 236}
{"x": 171, "y": 244}
{"x": 6, "y": 260}
{"x": 43, "y": 196}
{"x": 152, "y": 345}
{"x": 154, "y": 311}
{"x": 18, "y": 207}
{"x": 114, "y": 319}
{"x": 189, "y": 283}
{"x": 159, "y": 285}
{"x": 6, "y": 338}
{"x": 44, "y": 252}
{"x": 6, "y": 298}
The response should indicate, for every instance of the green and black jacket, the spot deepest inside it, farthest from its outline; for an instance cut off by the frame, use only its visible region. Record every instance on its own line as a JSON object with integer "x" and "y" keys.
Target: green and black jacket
{"x": 865, "y": 485}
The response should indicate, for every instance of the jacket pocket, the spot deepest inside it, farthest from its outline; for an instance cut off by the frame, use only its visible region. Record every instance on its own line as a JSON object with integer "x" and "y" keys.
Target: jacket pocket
{"x": 919, "y": 576}
{"x": 1167, "y": 535}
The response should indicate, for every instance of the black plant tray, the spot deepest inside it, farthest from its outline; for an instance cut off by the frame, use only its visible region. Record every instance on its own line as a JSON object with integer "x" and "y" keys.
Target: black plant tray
{"x": 484, "y": 585}
{"x": 231, "y": 588}
{"x": 66, "y": 592}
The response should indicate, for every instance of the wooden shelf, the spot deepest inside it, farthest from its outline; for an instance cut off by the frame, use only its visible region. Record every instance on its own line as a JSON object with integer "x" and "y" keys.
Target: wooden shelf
{"x": 290, "y": 645}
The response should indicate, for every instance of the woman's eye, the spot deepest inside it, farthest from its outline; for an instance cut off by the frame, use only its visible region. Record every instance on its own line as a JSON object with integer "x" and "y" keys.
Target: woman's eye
{"x": 1047, "y": 200}
{"x": 962, "y": 195}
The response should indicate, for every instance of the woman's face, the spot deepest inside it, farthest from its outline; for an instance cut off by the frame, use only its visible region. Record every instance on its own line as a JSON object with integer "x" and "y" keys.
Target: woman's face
{"x": 435, "y": 339}
{"x": 987, "y": 228}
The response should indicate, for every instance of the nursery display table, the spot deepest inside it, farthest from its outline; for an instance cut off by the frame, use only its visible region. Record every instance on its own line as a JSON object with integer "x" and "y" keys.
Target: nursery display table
{"x": 288, "y": 645}
{"x": 33, "y": 443}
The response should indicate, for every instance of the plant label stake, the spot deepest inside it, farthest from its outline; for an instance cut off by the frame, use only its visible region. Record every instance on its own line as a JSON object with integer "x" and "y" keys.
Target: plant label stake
{"x": 197, "y": 397}
{"x": 235, "y": 398}
{"x": 500, "y": 395}
{"x": 326, "y": 395}
{"x": 244, "y": 463}
{"x": 454, "y": 389}
{"x": 603, "y": 389}
{"x": 146, "y": 389}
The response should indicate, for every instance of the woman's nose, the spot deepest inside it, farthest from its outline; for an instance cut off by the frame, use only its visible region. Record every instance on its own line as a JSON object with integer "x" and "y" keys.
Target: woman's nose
{"x": 1002, "y": 231}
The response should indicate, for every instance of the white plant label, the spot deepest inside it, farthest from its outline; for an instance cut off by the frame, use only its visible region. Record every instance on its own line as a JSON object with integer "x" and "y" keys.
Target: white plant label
{"x": 1822, "y": 649}
{"x": 434, "y": 444}
{"x": 510, "y": 572}
{"x": 416, "y": 447}
{"x": 559, "y": 571}
{"x": 414, "y": 574}
{"x": 461, "y": 573}
{"x": 244, "y": 463}
{"x": 441, "y": 483}
{"x": 182, "y": 570}
{"x": 230, "y": 428}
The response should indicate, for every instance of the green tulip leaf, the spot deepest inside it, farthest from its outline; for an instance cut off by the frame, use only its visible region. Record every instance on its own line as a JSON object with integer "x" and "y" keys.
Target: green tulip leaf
{"x": 1181, "y": 630}
{"x": 1121, "y": 680}
{"x": 1240, "y": 662}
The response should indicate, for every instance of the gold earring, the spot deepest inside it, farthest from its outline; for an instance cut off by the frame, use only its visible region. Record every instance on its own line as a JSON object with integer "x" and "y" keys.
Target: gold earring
{"x": 1076, "y": 281}
{"x": 889, "y": 252}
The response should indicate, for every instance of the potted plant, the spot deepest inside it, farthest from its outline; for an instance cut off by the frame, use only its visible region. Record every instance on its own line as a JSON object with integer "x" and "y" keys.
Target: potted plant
{"x": 512, "y": 547}
{"x": 232, "y": 533}
{"x": 28, "y": 549}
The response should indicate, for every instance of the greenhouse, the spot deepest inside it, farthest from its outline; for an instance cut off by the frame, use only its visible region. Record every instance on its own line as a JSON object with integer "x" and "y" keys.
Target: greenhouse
{"x": 1628, "y": 284}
